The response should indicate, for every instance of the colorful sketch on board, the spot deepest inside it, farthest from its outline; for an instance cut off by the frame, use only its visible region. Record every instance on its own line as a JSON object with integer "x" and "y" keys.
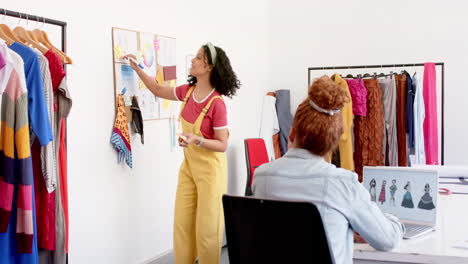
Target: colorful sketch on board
{"x": 149, "y": 104}
{"x": 129, "y": 80}
{"x": 125, "y": 42}
{"x": 157, "y": 56}
{"x": 156, "y": 44}
{"x": 167, "y": 54}
{"x": 168, "y": 107}
{"x": 148, "y": 55}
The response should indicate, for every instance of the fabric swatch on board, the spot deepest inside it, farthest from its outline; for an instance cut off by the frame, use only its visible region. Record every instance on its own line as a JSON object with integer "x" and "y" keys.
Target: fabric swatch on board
{"x": 170, "y": 73}
{"x": 120, "y": 138}
{"x": 137, "y": 120}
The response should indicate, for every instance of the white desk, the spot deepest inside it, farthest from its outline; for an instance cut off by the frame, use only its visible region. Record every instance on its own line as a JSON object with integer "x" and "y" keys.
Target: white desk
{"x": 437, "y": 247}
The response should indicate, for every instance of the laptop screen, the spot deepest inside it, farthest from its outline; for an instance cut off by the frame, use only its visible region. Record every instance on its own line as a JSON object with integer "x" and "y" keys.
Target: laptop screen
{"x": 408, "y": 193}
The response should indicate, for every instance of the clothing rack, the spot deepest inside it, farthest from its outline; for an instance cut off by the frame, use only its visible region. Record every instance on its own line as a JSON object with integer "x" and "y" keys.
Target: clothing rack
{"x": 440, "y": 64}
{"x": 39, "y": 19}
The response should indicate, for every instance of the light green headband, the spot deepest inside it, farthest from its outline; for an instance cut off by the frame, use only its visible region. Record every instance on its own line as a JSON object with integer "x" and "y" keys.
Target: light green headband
{"x": 212, "y": 49}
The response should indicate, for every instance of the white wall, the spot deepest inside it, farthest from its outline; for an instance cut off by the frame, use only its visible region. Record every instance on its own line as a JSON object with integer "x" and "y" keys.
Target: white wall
{"x": 125, "y": 216}
{"x": 340, "y": 32}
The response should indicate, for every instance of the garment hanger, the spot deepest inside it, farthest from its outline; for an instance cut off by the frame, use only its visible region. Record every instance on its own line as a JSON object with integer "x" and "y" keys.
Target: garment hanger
{"x": 381, "y": 74}
{"x": 7, "y": 40}
{"x": 22, "y": 34}
{"x": 404, "y": 70}
{"x": 38, "y": 37}
{"x": 4, "y": 36}
{"x": 45, "y": 39}
{"x": 7, "y": 31}
{"x": 349, "y": 75}
{"x": 366, "y": 75}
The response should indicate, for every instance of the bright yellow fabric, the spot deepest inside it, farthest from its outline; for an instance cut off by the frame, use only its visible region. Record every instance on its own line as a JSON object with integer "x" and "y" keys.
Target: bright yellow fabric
{"x": 21, "y": 139}
{"x": 199, "y": 218}
{"x": 346, "y": 142}
{"x": 7, "y": 143}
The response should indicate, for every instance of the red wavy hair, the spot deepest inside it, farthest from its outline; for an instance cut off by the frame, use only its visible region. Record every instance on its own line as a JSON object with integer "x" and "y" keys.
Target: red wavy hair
{"x": 318, "y": 132}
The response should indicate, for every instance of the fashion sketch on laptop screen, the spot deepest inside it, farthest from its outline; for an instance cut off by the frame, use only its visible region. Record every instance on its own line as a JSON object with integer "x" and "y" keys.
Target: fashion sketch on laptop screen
{"x": 409, "y": 194}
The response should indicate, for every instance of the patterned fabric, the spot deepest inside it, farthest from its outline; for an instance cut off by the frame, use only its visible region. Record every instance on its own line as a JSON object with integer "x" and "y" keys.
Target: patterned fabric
{"x": 359, "y": 96}
{"x": 16, "y": 166}
{"x": 369, "y": 130}
{"x": 120, "y": 138}
{"x": 49, "y": 169}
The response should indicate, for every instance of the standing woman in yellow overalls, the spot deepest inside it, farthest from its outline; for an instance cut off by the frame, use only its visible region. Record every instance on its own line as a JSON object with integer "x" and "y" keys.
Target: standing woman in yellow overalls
{"x": 199, "y": 221}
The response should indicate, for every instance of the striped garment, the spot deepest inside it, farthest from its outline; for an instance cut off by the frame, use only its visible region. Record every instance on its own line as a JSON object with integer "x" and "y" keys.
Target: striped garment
{"x": 15, "y": 163}
{"x": 48, "y": 158}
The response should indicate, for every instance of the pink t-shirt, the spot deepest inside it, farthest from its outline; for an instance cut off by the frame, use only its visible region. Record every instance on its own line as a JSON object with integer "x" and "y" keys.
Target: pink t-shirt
{"x": 215, "y": 118}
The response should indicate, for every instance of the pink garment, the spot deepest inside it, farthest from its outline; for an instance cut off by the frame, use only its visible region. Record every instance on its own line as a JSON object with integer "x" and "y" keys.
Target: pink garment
{"x": 358, "y": 95}
{"x": 431, "y": 134}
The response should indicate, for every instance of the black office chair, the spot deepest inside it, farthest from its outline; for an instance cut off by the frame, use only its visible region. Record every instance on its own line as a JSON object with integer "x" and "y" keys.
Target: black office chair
{"x": 262, "y": 231}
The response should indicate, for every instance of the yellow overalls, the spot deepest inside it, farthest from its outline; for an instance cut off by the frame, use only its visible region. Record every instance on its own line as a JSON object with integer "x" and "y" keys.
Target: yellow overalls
{"x": 199, "y": 218}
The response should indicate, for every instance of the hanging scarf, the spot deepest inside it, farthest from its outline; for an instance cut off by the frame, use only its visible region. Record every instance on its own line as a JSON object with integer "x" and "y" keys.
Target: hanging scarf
{"x": 120, "y": 138}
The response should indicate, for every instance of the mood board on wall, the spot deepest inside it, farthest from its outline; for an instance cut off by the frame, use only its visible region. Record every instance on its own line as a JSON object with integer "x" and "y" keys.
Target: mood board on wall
{"x": 156, "y": 55}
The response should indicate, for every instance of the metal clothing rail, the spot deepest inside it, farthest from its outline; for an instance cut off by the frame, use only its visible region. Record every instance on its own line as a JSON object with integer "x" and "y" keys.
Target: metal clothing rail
{"x": 44, "y": 20}
{"x": 39, "y": 19}
{"x": 441, "y": 64}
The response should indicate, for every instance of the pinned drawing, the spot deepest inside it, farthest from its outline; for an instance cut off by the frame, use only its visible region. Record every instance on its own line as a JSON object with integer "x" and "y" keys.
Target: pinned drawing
{"x": 426, "y": 202}
{"x": 407, "y": 198}
{"x": 393, "y": 189}
{"x": 167, "y": 72}
{"x": 156, "y": 56}
{"x": 372, "y": 191}
{"x": 382, "y": 192}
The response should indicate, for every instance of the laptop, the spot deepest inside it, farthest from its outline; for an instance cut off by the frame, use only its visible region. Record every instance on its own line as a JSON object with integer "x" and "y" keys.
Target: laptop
{"x": 408, "y": 193}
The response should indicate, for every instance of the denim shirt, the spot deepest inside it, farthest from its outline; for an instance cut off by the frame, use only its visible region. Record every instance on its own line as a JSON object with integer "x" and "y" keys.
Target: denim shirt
{"x": 344, "y": 204}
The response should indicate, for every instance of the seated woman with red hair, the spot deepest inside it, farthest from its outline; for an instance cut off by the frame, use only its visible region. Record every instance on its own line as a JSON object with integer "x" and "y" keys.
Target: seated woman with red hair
{"x": 303, "y": 175}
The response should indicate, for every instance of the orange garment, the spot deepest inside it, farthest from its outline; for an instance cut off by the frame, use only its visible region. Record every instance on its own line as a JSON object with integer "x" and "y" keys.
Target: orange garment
{"x": 369, "y": 130}
{"x": 276, "y": 145}
{"x": 401, "y": 119}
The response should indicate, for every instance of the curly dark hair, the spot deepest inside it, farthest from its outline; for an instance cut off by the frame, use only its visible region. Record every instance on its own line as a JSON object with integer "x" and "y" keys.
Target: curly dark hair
{"x": 223, "y": 78}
